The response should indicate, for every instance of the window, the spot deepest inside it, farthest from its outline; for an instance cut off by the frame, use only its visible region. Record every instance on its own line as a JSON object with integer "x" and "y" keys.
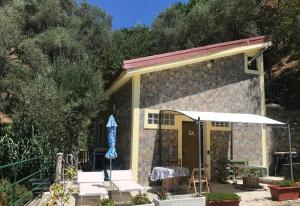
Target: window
{"x": 153, "y": 118}
{"x": 167, "y": 119}
{"x": 220, "y": 124}
{"x": 252, "y": 65}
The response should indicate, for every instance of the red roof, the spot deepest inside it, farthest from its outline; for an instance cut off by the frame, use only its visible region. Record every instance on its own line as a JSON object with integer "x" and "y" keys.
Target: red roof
{"x": 188, "y": 53}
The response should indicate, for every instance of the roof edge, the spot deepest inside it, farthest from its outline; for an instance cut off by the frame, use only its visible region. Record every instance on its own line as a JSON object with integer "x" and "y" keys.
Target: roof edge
{"x": 206, "y": 53}
{"x": 189, "y": 53}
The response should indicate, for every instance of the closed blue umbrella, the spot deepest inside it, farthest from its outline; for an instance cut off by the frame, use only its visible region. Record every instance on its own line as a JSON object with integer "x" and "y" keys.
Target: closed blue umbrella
{"x": 112, "y": 130}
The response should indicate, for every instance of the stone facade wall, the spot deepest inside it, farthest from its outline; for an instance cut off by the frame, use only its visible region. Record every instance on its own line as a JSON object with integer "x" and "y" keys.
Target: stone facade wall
{"x": 149, "y": 147}
{"x": 219, "y": 149}
{"x": 225, "y": 87}
{"x": 120, "y": 106}
{"x": 247, "y": 143}
{"x": 277, "y": 138}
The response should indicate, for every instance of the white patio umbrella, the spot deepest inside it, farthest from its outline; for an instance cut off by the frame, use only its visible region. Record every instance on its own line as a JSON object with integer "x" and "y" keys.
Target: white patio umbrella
{"x": 200, "y": 117}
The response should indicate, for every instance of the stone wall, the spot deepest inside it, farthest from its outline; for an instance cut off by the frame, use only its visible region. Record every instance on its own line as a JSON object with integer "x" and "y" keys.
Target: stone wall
{"x": 149, "y": 150}
{"x": 219, "y": 148}
{"x": 225, "y": 87}
{"x": 247, "y": 143}
{"x": 277, "y": 138}
{"x": 120, "y": 106}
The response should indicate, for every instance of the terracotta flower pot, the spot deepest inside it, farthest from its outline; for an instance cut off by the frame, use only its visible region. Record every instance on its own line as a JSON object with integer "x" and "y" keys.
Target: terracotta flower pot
{"x": 251, "y": 182}
{"x": 284, "y": 193}
{"x": 223, "y": 203}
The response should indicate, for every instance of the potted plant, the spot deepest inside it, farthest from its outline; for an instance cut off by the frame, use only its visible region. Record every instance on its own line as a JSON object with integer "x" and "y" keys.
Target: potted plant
{"x": 179, "y": 200}
{"x": 106, "y": 202}
{"x": 251, "y": 180}
{"x": 141, "y": 199}
{"x": 286, "y": 190}
{"x": 222, "y": 199}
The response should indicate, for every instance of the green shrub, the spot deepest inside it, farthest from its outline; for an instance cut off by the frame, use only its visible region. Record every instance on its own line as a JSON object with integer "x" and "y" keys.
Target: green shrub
{"x": 6, "y": 193}
{"x": 221, "y": 196}
{"x": 162, "y": 195}
{"x": 106, "y": 202}
{"x": 140, "y": 199}
{"x": 287, "y": 183}
{"x": 70, "y": 173}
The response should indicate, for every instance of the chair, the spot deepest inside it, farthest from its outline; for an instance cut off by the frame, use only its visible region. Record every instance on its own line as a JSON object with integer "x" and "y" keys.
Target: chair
{"x": 174, "y": 162}
{"x": 176, "y": 180}
{"x": 91, "y": 184}
{"x": 195, "y": 180}
{"x": 123, "y": 181}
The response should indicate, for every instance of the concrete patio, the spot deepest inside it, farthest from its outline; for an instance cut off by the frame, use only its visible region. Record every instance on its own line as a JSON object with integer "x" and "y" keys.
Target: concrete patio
{"x": 249, "y": 198}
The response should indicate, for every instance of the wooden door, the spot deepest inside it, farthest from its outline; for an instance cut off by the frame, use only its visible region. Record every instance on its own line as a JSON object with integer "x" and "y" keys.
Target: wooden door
{"x": 190, "y": 145}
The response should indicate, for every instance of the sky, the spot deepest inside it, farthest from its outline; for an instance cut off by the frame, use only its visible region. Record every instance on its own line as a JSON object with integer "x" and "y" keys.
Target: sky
{"x": 127, "y": 13}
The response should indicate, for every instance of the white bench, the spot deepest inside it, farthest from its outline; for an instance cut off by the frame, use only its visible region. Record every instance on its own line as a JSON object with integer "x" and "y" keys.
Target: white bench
{"x": 91, "y": 184}
{"x": 124, "y": 182}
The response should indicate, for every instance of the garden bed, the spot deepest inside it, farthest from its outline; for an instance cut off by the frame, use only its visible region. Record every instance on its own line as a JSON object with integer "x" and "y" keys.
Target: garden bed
{"x": 181, "y": 200}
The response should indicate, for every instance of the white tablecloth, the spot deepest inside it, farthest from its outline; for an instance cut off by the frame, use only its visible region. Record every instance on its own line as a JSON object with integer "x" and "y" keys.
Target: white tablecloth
{"x": 160, "y": 173}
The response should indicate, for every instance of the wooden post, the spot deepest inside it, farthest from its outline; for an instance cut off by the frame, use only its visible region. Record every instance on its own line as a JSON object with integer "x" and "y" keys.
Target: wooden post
{"x": 59, "y": 162}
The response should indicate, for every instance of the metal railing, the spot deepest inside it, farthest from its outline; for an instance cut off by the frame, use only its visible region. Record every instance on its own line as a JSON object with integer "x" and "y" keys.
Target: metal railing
{"x": 83, "y": 158}
{"x": 34, "y": 173}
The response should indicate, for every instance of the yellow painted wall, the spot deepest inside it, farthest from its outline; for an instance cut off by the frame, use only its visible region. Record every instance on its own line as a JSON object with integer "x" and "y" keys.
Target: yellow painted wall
{"x": 260, "y": 64}
{"x": 135, "y": 125}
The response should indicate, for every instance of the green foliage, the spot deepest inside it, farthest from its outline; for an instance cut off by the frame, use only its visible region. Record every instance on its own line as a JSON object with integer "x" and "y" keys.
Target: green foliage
{"x": 252, "y": 172}
{"x": 222, "y": 196}
{"x": 287, "y": 183}
{"x": 203, "y": 22}
{"x": 60, "y": 194}
{"x": 51, "y": 65}
{"x": 140, "y": 199}
{"x": 70, "y": 173}
{"x": 287, "y": 26}
{"x": 106, "y": 202}
{"x": 6, "y": 192}
{"x": 170, "y": 30}
{"x": 21, "y": 148}
{"x": 132, "y": 42}
{"x": 162, "y": 195}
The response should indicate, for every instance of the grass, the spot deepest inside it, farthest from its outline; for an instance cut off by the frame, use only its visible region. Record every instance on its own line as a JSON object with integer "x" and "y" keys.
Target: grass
{"x": 287, "y": 183}
{"x": 222, "y": 196}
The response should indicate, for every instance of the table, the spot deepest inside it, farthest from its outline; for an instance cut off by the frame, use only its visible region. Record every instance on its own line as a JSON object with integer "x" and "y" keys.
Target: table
{"x": 161, "y": 173}
{"x": 242, "y": 169}
{"x": 282, "y": 156}
{"x": 169, "y": 176}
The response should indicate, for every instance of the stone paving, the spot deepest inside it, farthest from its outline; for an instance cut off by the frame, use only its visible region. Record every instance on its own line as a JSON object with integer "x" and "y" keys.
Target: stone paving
{"x": 254, "y": 198}
{"x": 249, "y": 198}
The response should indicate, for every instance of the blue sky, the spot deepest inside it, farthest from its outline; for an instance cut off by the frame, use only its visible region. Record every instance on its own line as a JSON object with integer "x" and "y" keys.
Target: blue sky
{"x": 127, "y": 13}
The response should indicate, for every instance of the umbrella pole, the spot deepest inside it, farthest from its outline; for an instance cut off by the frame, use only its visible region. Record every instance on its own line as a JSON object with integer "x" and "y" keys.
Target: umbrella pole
{"x": 200, "y": 163}
{"x": 110, "y": 167}
{"x": 290, "y": 152}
